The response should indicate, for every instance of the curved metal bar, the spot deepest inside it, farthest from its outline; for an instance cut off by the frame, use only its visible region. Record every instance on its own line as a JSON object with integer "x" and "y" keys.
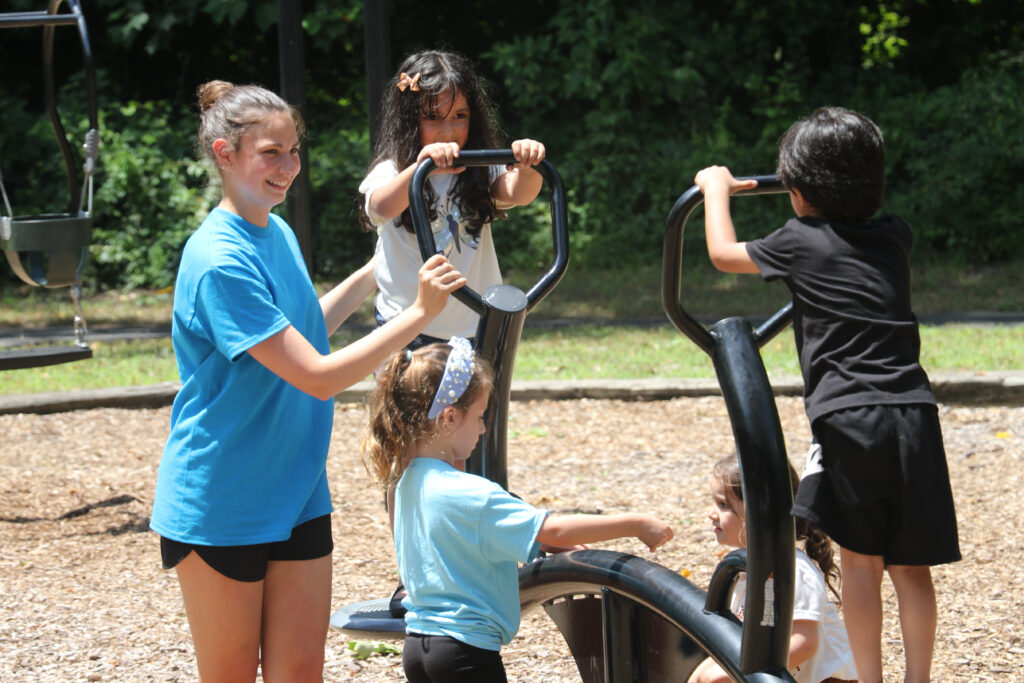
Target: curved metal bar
{"x": 672, "y": 260}
{"x": 733, "y": 347}
{"x": 502, "y": 308}
{"x": 51, "y": 250}
{"x": 559, "y": 221}
{"x": 425, "y": 238}
{"x": 650, "y": 585}
{"x": 767, "y": 495}
{"x": 49, "y": 92}
{"x": 723, "y": 578}
{"x": 48, "y": 20}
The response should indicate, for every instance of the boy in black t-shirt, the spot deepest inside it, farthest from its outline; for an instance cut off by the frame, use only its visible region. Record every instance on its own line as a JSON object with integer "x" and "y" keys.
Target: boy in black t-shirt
{"x": 876, "y": 479}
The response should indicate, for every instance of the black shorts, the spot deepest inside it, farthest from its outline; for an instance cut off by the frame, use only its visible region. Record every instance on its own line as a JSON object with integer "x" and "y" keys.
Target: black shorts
{"x": 308, "y": 541}
{"x": 876, "y": 481}
{"x": 442, "y": 659}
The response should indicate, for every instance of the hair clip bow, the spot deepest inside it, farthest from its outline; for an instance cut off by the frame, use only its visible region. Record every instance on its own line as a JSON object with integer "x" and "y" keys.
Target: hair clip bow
{"x": 405, "y": 81}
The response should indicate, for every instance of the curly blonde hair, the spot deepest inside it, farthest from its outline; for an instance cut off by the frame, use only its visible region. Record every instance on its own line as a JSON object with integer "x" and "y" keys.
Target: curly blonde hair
{"x": 399, "y": 403}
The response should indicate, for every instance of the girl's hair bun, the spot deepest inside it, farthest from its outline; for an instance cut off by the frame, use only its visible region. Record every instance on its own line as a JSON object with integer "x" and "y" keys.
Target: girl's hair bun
{"x": 208, "y": 93}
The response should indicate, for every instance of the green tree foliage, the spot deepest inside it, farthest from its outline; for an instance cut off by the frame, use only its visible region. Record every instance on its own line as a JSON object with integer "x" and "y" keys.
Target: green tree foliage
{"x": 956, "y": 156}
{"x": 630, "y": 98}
{"x": 146, "y": 155}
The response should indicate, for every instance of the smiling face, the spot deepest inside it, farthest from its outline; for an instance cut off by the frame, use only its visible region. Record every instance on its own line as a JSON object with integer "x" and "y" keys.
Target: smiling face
{"x": 446, "y": 121}
{"x": 258, "y": 174}
{"x": 727, "y": 516}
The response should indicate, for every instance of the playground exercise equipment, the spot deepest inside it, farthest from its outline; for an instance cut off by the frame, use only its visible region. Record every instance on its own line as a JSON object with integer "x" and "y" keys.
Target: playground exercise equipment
{"x": 625, "y": 618}
{"x": 50, "y": 250}
{"x": 502, "y": 309}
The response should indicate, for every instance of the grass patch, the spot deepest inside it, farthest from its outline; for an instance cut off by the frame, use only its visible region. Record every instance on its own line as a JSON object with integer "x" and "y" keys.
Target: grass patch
{"x": 563, "y": 353}
{"x": 114, "y": 364}
{"x": 708, "y": 293}
{"x": 599, "y": 346}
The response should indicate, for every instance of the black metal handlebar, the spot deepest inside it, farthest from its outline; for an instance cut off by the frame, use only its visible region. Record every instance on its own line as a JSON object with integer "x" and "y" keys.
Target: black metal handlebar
{"x": 671, "y": 269}
{"x": 733, "y": 346}
{"x": 502, "y": 308}
{"x": 559, "y": 221}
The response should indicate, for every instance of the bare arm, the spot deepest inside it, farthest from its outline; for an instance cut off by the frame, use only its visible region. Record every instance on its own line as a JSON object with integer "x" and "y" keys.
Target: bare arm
{"x": 339, "y": 303}
{"x": 803, "y": 642}
{"x": 291, "y": 357}
{"x": 709, "y": 672}
{"x": 521, "y": 184}
{"x": 391, "y": 199}
{"x": 718, "y": 185}
{"x": 564, "y": 531}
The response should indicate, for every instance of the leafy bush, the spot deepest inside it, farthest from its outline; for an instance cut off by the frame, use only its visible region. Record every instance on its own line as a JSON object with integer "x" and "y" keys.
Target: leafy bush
{"x": 152, "y": 195}
{"x": 629, "y": 124}
{"x": 337, "y": 161}
{"x": 956, "y": 155}
{"x": 631, "y": 99}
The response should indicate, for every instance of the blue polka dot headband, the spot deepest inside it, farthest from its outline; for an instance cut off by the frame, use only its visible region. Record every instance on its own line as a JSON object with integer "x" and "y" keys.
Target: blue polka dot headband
{"x": 458, "y": 371}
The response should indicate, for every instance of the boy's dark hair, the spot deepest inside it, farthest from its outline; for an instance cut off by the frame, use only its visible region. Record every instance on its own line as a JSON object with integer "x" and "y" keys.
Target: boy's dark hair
{"x": 441, "y": 75}
{"x": 836, "y": 158}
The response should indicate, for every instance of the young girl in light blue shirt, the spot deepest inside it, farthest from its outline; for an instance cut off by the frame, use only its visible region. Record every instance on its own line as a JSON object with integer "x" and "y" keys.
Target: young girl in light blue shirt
{"x": 459, "y": 537}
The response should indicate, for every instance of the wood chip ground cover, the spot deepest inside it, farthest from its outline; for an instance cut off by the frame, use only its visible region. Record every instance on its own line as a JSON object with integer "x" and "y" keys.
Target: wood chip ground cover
{"x": 83, "y": 597}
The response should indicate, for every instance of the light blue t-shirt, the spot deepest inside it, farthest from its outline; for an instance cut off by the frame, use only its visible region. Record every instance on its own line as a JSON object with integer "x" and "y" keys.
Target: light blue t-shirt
{"x": 459, "y": 539}
{"x": 246, "y": 458}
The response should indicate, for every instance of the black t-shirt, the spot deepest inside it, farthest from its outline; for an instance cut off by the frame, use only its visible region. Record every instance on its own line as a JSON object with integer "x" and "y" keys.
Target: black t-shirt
{"x": 856, "y": 335}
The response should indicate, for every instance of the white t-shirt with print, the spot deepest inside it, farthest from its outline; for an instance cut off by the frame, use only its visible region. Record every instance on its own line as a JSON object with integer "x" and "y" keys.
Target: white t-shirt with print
{"x": 810, "y": 603}
{"x": 399, "y": 260}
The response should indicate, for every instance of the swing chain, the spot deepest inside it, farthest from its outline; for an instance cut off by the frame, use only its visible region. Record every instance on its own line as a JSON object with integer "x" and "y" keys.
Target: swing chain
{"x": 81, "y": 329}
{"x": 91, "y": 150}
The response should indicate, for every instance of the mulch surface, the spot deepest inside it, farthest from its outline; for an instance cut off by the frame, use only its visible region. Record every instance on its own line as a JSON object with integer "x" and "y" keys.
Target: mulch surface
{"x": 83, "y": 597}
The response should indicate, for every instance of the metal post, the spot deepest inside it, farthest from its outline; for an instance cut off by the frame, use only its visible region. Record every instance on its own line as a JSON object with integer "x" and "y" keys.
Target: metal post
{"x": 767, "y": 496}
{"x": 377, "y": 51}
{"x": 497, "y": 340}
{"x": 293, "y": 89}
{"x": 764, "y": 468}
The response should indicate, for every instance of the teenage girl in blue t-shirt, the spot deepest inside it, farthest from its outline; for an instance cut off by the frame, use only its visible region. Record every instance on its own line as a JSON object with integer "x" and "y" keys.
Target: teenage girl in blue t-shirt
{"x": 242, "y": 504}
{"x": 459, "y": 537}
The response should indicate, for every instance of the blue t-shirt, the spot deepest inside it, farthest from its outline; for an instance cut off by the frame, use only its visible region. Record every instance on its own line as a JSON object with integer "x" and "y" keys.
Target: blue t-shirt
{"x": 246, "y": 458}
{"x": 459, "y": 539}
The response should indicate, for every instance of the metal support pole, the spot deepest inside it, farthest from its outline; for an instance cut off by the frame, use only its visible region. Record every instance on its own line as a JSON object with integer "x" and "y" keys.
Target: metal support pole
{"x": 767, "y": 495}
{"x": 497, "y": 340}
{"x": 293, "y": 89}
{"x": 377, "y": 52}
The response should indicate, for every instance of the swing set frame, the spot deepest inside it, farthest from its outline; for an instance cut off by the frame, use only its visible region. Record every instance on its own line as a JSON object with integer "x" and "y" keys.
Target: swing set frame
{"x": 50, "y": 250}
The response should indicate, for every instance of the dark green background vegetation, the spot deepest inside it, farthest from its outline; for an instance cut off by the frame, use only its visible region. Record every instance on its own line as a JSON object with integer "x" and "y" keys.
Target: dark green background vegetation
{"x": 631, "y": 98}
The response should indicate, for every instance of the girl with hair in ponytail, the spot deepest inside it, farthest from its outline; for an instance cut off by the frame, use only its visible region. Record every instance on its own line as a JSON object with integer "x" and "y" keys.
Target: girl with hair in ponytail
{"x": 818, "y": 647}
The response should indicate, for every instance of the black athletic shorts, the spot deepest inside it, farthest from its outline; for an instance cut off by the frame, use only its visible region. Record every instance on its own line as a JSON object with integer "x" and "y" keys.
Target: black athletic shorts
{"x": 442, "y": 659}
{"x": 876, "y": 481}
{"x": 308, "y": 541}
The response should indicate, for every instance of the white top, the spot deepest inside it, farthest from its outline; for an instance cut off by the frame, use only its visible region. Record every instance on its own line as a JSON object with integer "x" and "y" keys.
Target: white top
{"x": 810, "y": 603}
{"x": 398, "y": 255}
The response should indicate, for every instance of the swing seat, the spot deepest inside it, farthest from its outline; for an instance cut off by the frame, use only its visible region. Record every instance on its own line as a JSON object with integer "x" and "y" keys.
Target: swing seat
{"x": 20, "y": 359}
{"x": 47, "y": 250}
